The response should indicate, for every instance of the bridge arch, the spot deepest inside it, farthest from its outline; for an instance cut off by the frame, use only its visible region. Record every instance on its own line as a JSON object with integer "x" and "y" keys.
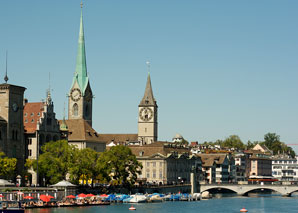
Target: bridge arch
{"x": 245, "y": 192}
{"x": 218, "y": 188}
{"x": 291, "y": 192}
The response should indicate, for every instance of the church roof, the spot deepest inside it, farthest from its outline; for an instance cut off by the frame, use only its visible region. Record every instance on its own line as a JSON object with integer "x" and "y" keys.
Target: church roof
{"x": 118, "y": 138}
{"x": 32, "y": 114}
{"x": 80, "y": 130}
{"x": 148, "y": 99}
{"x": 161, "y": 147}
{"x": 81, "y": 76}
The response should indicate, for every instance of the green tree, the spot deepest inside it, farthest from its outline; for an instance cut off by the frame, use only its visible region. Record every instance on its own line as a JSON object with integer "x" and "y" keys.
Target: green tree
{"x": 120, "y": 165}
{"x": 7, "y": 166}
{"x": 85, "y": 165}
{"x": 55, "y": 161}
{"x": 251, "y": 145}
{"x": 272, "y": 141}
{"x": 233, "y": 141}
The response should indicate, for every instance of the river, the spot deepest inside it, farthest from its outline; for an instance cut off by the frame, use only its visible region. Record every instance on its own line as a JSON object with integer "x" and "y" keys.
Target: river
{"x": 258, "y": 204}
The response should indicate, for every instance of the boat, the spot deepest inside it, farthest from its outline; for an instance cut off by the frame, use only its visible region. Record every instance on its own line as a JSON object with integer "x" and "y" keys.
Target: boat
{"x": 11, "y": 207}
{"x": 138, "y": 199}
{"x": 155, "y": 198}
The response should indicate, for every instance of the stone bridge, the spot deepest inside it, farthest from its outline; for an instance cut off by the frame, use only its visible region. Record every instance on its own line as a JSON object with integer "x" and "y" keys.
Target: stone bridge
{"x": 284, "y": 190}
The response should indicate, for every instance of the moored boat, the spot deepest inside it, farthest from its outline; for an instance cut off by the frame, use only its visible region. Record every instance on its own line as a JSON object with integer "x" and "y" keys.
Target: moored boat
{"x": 11, "y": 207}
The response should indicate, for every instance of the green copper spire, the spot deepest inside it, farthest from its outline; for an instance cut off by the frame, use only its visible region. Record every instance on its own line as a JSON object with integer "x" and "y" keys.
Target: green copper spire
{"x": 81, "y": 67}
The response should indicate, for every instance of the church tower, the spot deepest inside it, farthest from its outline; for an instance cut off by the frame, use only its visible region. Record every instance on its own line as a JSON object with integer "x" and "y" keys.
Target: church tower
{"x": 12, "y": 141}
{"x": 147, "y": 122}
{"x": 80, "y": 95}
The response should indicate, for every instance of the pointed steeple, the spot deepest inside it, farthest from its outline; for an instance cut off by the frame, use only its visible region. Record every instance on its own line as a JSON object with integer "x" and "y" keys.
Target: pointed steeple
{"x": 148, "y": 98}
{"x": 81, "y": 76}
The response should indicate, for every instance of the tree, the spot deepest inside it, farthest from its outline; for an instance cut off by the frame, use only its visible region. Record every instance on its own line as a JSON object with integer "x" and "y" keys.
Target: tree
{"x": 85, "y": 165}
{"x": 272, "y": 141}
{"x": 233, "y": 141}
{"x": 7, "y": 166}
{"x": 251, "y": 145}
{"x": 120, "y": 165}
{"x": 55, "y": 160}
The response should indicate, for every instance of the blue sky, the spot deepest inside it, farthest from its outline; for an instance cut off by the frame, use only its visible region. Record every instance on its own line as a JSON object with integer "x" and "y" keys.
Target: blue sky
{"x": 217, "y": 67}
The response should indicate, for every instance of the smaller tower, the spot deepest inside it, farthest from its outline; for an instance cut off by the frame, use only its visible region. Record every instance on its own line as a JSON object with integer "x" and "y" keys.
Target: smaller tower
{"x": 147, "y": 119}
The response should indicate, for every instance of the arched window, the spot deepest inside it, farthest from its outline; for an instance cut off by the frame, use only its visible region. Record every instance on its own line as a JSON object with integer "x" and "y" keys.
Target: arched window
{"x": 55, "y": 138}
{"x": 0, "y": 135}
{"x": 75, "y": 109}
{"x": 16, "y": 135}
{"x": 13, "y": 135}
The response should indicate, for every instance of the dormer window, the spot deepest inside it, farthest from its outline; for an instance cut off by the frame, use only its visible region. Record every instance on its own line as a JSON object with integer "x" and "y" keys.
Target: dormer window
{"x": 38, "y": 114}
{"x": 32, "y": 114}
{"x": 25, "y": 114}
{"x": 141, "y": 153}
{"x": 32, "y": 121}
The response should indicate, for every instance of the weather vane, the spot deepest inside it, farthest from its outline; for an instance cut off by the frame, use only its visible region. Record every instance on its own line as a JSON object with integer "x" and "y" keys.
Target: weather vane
{"x": 148, "y": 66}
{"x": 81, "y": 3}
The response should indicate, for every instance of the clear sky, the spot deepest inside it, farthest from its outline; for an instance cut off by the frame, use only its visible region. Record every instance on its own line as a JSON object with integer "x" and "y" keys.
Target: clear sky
{"x": 217, "y": 67}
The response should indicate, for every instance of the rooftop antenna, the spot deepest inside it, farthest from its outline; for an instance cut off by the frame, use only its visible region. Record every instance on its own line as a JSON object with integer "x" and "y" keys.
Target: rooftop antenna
{"x": 6, "y": 78}
{"x": 148, "y": 66}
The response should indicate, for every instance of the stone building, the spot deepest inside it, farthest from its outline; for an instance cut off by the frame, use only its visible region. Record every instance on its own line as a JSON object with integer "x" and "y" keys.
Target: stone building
{"x": 12, "y": 141}
{"x": 41, "y": 126}
{"x": 166, "y": 163}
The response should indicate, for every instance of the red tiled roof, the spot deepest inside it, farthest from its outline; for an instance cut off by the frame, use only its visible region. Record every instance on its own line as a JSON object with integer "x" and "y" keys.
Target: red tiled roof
{"x": 32, "y": 113}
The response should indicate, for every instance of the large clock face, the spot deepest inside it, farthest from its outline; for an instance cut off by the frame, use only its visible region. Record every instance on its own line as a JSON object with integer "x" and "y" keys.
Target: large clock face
{"x": 75, "y": 94}
{"x": 146, "y": 114}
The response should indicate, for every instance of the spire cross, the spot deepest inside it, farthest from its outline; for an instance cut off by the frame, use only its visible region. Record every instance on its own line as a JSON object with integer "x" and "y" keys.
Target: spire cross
{"x": 81, "y": 3}
{"x": 6, "y": 77}
{"x": 148, "y": 66}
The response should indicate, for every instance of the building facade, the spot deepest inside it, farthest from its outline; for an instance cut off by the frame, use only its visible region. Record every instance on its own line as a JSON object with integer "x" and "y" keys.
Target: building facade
{"x": 285, "y": 168}
{"x": 41, "y": 126}
{"x": 165, "y": 163}
{"x": 12, "y": 141}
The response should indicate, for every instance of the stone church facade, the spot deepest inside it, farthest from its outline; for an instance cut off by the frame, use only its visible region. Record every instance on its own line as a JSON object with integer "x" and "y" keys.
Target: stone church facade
{"x": 12, "y": 141}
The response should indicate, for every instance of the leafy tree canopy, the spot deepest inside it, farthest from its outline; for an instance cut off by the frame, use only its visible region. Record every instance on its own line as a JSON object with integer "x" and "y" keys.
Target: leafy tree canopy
{"x": 7, "y": 166}
{"x": 55, "y": 161}
{"x": 120, "y": 165}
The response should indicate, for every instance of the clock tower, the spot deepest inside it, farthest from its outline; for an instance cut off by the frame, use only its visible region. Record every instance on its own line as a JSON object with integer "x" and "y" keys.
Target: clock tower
{"x": 147, "y": 119}
{"x": 80, "y": 95}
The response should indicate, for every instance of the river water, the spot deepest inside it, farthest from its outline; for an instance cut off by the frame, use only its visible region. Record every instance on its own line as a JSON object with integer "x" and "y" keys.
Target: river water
{"x": 259, "y": 204}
